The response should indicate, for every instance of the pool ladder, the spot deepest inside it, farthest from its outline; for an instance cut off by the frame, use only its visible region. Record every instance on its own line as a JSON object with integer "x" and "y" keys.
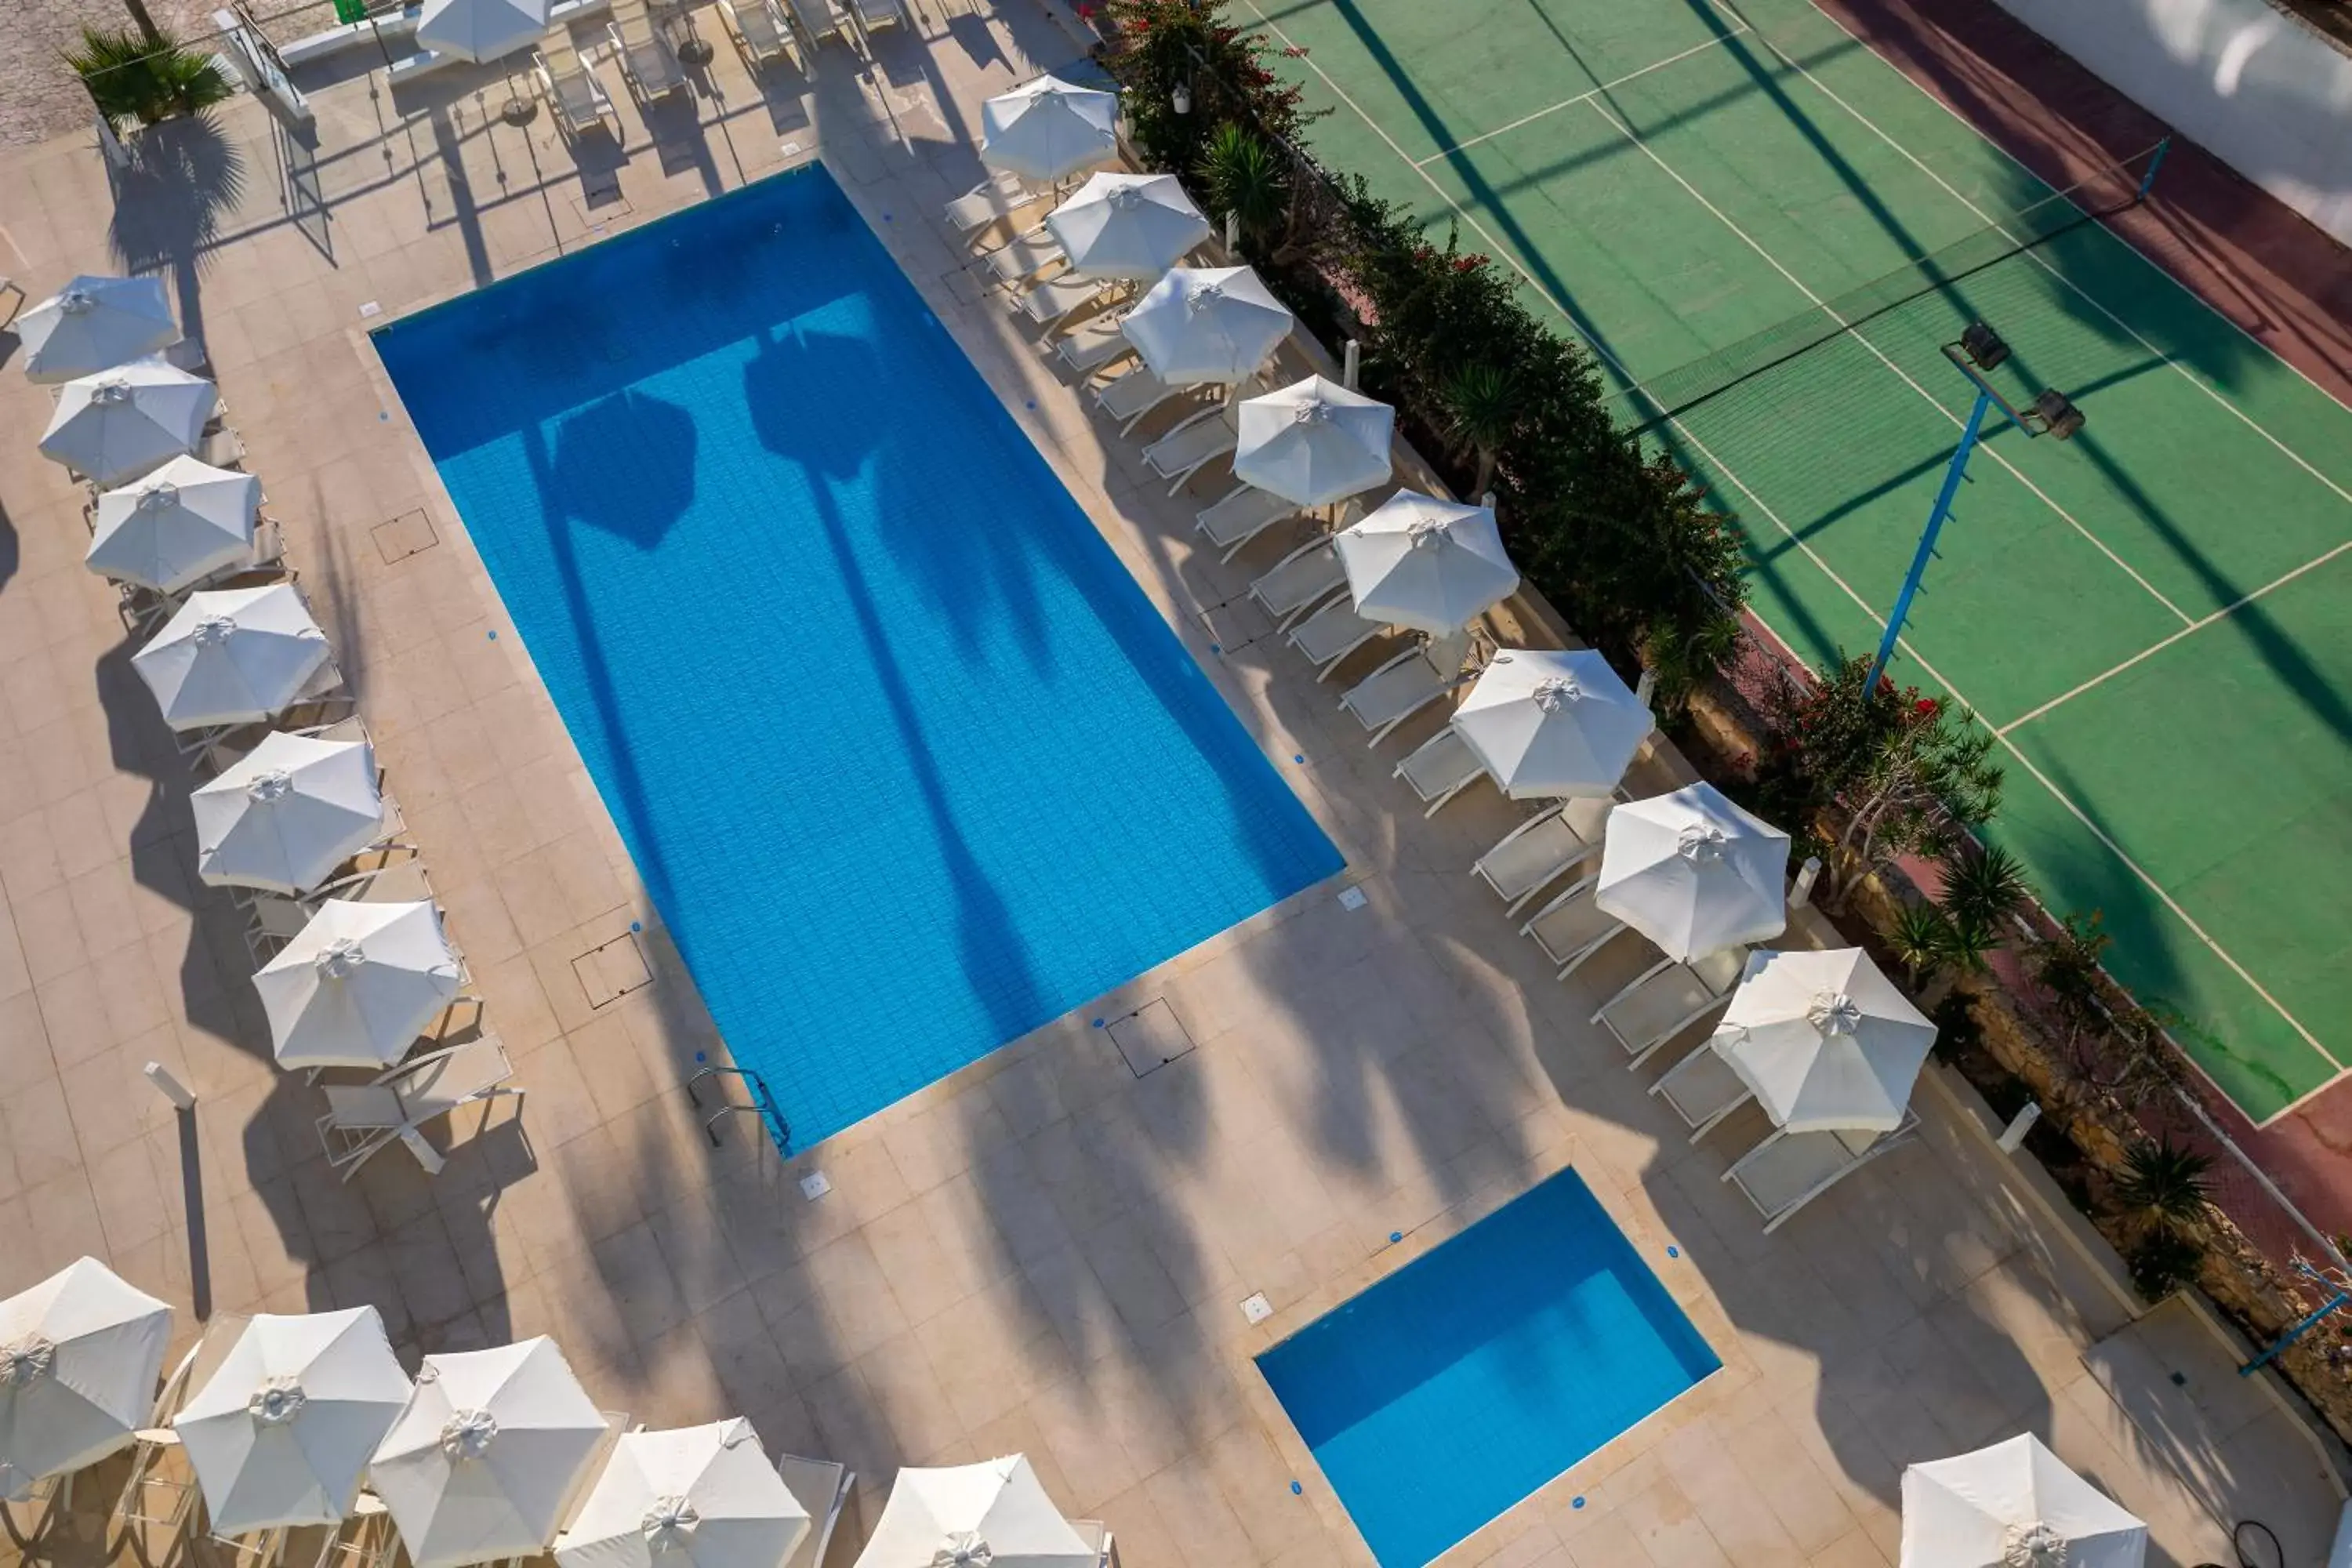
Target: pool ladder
{"x": 779, "y": 1131}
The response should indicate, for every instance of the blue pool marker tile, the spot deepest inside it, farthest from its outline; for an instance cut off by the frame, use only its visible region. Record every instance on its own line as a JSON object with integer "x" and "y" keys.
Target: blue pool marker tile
{"x": 635, "y": 926}
{"x": 1673, "y": 1252}
{"x": 1297, "y": 1490}
{"x": 1099, "y": 1022}
{"x": 1396, "y": 1236}
{"x": 1578, "y": 1503}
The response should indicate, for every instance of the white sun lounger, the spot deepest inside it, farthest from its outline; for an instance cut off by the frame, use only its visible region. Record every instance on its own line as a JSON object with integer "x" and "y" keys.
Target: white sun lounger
{"x": 1441, "y": 768}
{"x": 1397, "y": 691}
{"x": 1525, "y": 860}
{"x": 1571, "y": 928}
{"x": 1134, "y": 393}
{"x": 577, "y": 98}
{"x": 759, "y": 31}
{"x": 1667, "y": 998}
{"x": 877, "y": 15}
{"x": 648, "y": 62}
{"x": 1095, "y": 343}
{"x": 821, "y": 1487}
{"x": 1240, "y": 515}
{"x": 396, "y": 1103}
{"x": 1023, "y": 258}
{"x": 1056, "y": 301}
{"x": 1703, "y": 1091}
{"x": 1296, "y": 583}
{"x": 1195, "y": 443}
{"x": 1000, "y": 198}
{"x": 1331, "y": 633}
{"x": 1788, "y": 1170}
{"x": 817, "y": 19}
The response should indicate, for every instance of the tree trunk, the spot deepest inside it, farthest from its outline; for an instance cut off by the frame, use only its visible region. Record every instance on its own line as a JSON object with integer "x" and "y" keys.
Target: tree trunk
{"x": 1486, "y": 475}
{"x": 147, "y": 28}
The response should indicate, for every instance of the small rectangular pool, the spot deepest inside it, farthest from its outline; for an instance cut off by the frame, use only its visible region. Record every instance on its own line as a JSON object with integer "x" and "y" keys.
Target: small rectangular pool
{"x": 908, "y": 761}
{"x": 1465, "y": 1380}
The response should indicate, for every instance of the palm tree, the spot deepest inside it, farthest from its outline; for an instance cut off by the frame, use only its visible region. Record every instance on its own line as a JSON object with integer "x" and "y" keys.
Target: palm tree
{"x": 1482, "y": 408}
{"x": 1245, "y": 178}
{"x": 2163, "y": 1187}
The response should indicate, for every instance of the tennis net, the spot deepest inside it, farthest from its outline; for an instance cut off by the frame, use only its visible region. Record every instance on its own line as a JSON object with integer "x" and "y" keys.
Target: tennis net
{"x": 2108, "y": 189}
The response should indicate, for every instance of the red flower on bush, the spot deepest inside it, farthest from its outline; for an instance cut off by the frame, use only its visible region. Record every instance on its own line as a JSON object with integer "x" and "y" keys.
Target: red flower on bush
{"x": 1926, "y": 708}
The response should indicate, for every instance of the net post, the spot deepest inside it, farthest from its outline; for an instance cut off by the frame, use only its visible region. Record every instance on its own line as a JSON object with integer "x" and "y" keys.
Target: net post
{"x": 1919, "y": 559}
{"x": 2156, "y": 162}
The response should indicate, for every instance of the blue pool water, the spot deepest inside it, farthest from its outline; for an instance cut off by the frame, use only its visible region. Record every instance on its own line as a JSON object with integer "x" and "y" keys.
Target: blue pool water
{"x": 1467, "y": 1379}
{"x": 908, "y": 761}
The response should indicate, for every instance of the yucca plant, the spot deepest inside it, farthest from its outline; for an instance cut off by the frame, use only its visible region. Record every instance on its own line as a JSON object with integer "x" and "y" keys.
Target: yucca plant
{"x": 1244, "y": 177}
{"x": 1983, "y": 889}
{"x": 1921, "y": 938}
{"x": 1482, "y": 409}
{"x": 2163, "y": 1187}
{"x": 142, "y": 79}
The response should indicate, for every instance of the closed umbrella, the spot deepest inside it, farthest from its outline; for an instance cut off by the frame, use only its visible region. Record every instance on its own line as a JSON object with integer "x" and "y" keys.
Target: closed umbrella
{"x": 480, "y": 1464}
{"x": 995, "y": 1513}
{"x": 1551, "y": 723}
{"x": 1313, "y": 442}
{"x": 1207, "y": 323}
{"x": 1826, "y": 1041}
{"x": 93, "y": 324}
{"x": 704, "y": 1496}
{"x": 1694, "y": 873}
{"x": 79, "y": 1355}
{"x": 180, "y": 524}
{"x": 357, "y": 985}
{"x": 1127, "y": 226}
{"x": 481, "y": 31}
{"x": 283, "y": 1430}
{"x": 115, "y": 424}
{"x": 2013, "y": 1505}
{"x": 1048, "y": 129}
{"x": 235, "y": 657}
{"x": 287, "y": 813}
{"x": 1429, "y": 565}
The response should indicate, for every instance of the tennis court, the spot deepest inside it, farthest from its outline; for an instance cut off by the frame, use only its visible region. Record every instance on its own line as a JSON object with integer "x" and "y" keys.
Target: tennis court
{"x": 2156, "y": 617}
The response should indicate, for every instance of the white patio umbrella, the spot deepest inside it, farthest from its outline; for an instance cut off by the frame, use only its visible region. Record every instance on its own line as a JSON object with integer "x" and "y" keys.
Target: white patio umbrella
{"x": 1694, "y": 873}
{"x": 283, "y": 1430}
{"x": 79, "y": 1355}
{"x": 1048, "y": 129}
{"x": 1313, "y": 442}
{"x": 1826, "y": 1041}
{"x": 2013, "y": 1505}
{"x": 481, "y": 31}
{"x": 488, "y": 1452}
{"x": 1429, "y": 565}
{"x": 703, "y": 1496}
{"x": 93, "y": 324}
{"x": 287, "y": 813}
{"x": 119, "y": 423}
{"x": 995, "y": 1513}
{"x": 1552, "y": 723}
{"x": 233, "y": 656}
{"x": 1127, "y": 226}
{"x": 179, "y": 524}
{"x": 357, "y": 985}
{"x": 1207, "y": 323}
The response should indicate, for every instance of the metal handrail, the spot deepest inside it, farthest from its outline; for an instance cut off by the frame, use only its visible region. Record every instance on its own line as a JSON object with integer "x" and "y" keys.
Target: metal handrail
{"x": 779, "y": 1131}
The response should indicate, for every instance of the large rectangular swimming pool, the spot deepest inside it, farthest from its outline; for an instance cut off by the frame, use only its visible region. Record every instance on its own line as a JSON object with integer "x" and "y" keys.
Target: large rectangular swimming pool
{"x": 1465, "y": 1381}
{"x": 908, "y": 761}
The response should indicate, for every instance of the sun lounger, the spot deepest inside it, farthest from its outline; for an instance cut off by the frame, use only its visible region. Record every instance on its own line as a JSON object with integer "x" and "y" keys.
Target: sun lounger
{"x": 758, "y": 30}
{"x": 1099, "y": 1540}
{"x": 648, "y": 62}
{"x": 1296, "y": 583}
{"x": 1194, "y": 443}
{"x": 1095, "y": 343}
{"x": 396, "y": 1104}
{"x": 1571, "y": 928}
{"x": 1023, "y": 258}
{"x": 1788, "y": 1170}
{"x": 1441, "y": 768}
{"x": 1703, "y": 1091}
{"x": 1667, "y": 998}
{"x": 577, "y": 100}
{"x": 1397, "y": 691}
{"x": 817, "y": 19}
{"x": 1526, "y": 859}
{"x": 1056, "y": 301}
{"x": 1331, "y": 633}
{"x": 1133, "y": 394}
{"x": 998, "y": 199}
{"x": 821, "y": 1487}
{"x": 1240, "y": 515}
{"x": 365, "y": 1539}
{"x": 876, "y": 15}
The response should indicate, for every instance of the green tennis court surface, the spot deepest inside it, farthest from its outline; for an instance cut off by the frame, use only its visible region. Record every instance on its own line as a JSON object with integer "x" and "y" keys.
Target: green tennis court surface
{"x": 2157, "y": 615}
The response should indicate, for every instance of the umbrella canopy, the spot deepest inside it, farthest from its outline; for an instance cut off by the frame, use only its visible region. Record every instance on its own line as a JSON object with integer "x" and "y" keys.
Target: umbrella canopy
{"x": 1207, "y": 323}
{"x": 1127, "y": 226}
{"x": 704, "y": 1496}
{"x": 119, "y": 423}
{"x": 287, "y": 814}
{"x": 481, "y": 1462}
{"x": 1826, "y": 1041}
{"x": 1694, "y": 873}
{"x": 79, "y": 1355}
{"x": 1552, "y": 723}
{"x": 1047, "y": 129}
{"x": 995, "y": 1512}
{"x": 357, "y": 985}
{"x": 1313, "y": 442}
{"x": 2013, "y": 1505}
{"x": 235, "y": 657}
{"x": 283, "y": 1430}
{"x": 481, "y": 29}
{"x": 93, "y": 324}
{"x": 1429, "y": 565}
{"x": 176, "y": 526}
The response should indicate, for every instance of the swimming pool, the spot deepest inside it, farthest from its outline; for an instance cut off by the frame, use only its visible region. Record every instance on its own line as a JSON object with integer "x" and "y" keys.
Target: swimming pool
{"x": 908, "y": 763}
{"x": 1465, "y": 1381}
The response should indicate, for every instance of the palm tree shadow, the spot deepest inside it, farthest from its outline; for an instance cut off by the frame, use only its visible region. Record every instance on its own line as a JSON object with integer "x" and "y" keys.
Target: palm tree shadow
{"x": 181, "y": 179}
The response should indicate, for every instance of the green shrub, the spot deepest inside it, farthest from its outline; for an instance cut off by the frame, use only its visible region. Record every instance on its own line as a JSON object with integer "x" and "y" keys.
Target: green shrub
{"x": 134, "y": 78}
{"x": 2163, "y": 1187}
{"x": 2162, "y": 1262}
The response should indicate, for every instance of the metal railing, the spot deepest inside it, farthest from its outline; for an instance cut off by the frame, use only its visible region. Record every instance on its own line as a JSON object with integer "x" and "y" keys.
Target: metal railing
{"x": 764, "y": 1106}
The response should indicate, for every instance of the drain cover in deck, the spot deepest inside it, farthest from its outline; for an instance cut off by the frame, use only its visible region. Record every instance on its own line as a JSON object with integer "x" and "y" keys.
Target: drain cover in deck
{"x": 397, "y": 538}
{"x": 1151, "y": 1037}
{"x": 611, "y": 972}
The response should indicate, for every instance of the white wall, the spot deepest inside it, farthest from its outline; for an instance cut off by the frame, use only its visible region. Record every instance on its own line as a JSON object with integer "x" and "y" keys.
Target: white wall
{"x": 2258, "y": 88}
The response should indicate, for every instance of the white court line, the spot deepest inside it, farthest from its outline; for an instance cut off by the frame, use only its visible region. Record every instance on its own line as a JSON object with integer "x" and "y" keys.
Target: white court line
{"x": 2129, "y": 864}
{"x": 1905, "y": 376}
{"x": 2156, "y": 648}
{"x": 1715, "y": 42}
